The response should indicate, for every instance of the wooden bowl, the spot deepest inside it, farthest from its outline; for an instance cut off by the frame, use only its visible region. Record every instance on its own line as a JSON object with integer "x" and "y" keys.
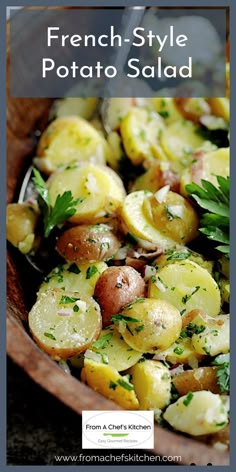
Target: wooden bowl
{"x": 24, "y": 116}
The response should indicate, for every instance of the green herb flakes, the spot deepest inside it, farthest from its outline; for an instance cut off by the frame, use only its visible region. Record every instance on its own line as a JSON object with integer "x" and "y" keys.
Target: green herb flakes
{"x": 188, "y": 399}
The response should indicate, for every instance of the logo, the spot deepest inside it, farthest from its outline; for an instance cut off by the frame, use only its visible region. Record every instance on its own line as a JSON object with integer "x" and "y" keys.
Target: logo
{"x": 118, "y": 429}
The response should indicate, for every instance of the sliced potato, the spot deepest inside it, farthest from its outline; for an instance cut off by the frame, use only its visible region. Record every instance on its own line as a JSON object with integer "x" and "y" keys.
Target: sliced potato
{"x": 140, "y": 131}
{"x": 113, "y": 350}
{"x": 180, "y": 255}
{"x": 64, "y": 324}
{"x": 107, "y": 381}
{"x": 172, "y": 215}
{"x": 206, "y": 167}
{"x": 157, "y": 175}
{"x": 224, "y": 290}
{"x": 192, "y": 108}
{"x": 149, "y": 325}
{"x": 202, "y": 378}
{"x": 167, "y": 108}
{"x": 68, "y": 140}
{"x": 113, "y": 110}
{"x": 152, "y": 384}
{"x": 99, "y": 190}
{"x": 88, "y": 243}
{"x": 73, "y": 277}
{"x": 179, "y": 141}
{"x": 187, "y": 286}
{"x": 198, "y": 413}
{"x": 214, "y": 339}
{"x": 114, "y": 140}
{"x": 74, "y": 106}
{"x": 21, "y": 224}
{"x": 220, "y": 107}
{"x": 137, "y": 223}
{"x": 182, "y": 352}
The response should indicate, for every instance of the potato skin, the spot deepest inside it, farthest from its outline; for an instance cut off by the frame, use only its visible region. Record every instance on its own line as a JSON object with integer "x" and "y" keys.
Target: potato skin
{"x": 88, "y": 243}
{"x": 116, "y": 287}
{"x": 202, "y": 378}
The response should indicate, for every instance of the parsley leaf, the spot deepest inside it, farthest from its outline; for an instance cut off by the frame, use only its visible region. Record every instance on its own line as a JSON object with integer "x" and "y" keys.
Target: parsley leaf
{"x": 92, "y": 270}
{"x": 63, "y": 208}
{"x": 103, "y": 341}
{"x": 128, "y": 386}
{"x": 127, "y": 319}
{"x": 188, "y": 398}
{"x": 50, "y": 336}
{"x": 214, "y": 223}
{"x": 223, "y": 377}
{"x": 65, "y": 300}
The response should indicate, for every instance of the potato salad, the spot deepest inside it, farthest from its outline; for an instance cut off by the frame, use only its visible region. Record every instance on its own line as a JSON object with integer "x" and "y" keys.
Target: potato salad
{"x": 134, "y": 195}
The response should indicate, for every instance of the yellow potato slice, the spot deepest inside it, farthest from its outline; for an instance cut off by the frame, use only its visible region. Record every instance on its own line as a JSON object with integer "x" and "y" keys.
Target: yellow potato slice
{"x": 63, "y": 323}
{"x": 173, "y": 216}
{"x": 187, "y": 286}
{"x": 207, "y": 167}
{"x": 152, "y": 384}
{"x": 214, "y": 339}
{"x": 113, "y": 111}
{"x": 112, "y": 349}
{"x": 182, "y": 254}
{"x": 198, "y": 413}
{"x": 114, "y": 140}
{"x": 220, "y": 107}
{"x": 99, "y": 189}
{"x": 149, "y": 325}
{"x": 132, "y": 214}
{"x": 140, "y": 132}
{"x": 74, "y": 106}
{"x": 21, "y": 225}
{"x": 107, "y": 381}
{"x": 68, "y": 140}
{"x": 167, "y": 109}
{"x": 80, "y": 278}
{"x": 179, "y": 141}
{"x": 183, "y": 352}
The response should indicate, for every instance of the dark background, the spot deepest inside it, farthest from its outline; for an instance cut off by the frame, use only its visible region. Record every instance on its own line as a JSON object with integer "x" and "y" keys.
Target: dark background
{"x": 40, "y": 426}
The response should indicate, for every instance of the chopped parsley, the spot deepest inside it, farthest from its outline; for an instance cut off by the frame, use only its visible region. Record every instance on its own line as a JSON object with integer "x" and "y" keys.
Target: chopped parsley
{"x": 139, "y": 328}
{"x": 223, "y": 377}
{"x": 103, "y": 341}
{"x": 128, "y": 386}
{"x": 127, "y": 319}
{"x": 164, "y": 114}
{"x": 192, "y": 329}
{"x": 177, "y": 256}
{"x": 112, "y": 385}
{"x": 66, "y": 300}
{"x": 74, "y": 269}
{"x": 174, "y": 392}
{"x": 187, "y": 297}
{"x": 178, "y": 350}
{"x": 188, "y": 398}
{"x": 50, "y": 336}
{"x": 91, "y": 271}
{"x": 64, "y": 207}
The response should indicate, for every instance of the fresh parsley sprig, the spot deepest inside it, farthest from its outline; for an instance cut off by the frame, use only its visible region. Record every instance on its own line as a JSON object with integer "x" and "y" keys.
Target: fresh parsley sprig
{"x": 214, "y": 222}
{"x": 223, "y": 372}
{"x": 63, "y": 208}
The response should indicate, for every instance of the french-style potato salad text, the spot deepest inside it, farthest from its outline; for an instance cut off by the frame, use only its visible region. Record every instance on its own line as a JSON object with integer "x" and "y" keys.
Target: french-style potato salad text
{"x": 136, "y": 192}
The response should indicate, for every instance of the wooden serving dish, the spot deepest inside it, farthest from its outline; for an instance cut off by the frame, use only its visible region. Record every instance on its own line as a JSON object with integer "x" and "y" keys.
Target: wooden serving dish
{"x": 24, "y": 116}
